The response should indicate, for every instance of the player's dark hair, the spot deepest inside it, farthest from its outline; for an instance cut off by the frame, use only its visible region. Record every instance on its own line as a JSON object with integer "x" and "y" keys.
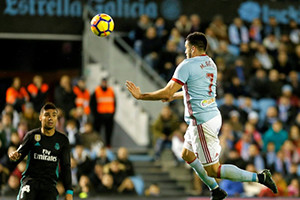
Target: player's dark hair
{"x": 48, "y": 106}
{"x": 198, "y": 40}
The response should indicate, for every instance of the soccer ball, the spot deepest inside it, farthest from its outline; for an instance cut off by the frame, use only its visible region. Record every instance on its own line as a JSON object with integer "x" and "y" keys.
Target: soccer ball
{"x": 102, "y": 25}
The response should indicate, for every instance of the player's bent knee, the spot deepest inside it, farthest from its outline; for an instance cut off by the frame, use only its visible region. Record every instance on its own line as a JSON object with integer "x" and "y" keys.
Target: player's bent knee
{"x": 212, "y": 170}
{"x": 187, "y": 155}
{"x": 212, "y": 173}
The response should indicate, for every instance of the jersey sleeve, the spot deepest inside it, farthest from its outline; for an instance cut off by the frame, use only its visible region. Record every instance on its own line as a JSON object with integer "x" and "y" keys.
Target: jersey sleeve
{"x": 66, "y": 167}
{"x": 181, "y": 74}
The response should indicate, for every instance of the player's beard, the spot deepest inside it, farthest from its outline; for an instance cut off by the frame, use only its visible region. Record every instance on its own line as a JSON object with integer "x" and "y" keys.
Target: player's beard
{"x": 48, "y": 128}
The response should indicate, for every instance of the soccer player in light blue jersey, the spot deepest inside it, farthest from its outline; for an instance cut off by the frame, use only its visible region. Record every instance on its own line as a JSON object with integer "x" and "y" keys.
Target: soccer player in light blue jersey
{"x": 197, "y": 77}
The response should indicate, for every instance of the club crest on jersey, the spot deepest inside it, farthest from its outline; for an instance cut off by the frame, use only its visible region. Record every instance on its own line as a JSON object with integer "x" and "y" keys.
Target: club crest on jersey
{"x": 37, "y": 137}
{"x": 56, "y": 146}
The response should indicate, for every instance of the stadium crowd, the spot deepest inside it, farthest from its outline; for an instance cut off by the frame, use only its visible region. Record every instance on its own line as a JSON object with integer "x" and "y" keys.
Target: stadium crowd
{"x": 258, "y": 95}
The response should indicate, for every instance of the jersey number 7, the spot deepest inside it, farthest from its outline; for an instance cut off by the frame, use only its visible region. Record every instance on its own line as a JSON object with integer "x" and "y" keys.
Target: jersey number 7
{"x": 210, "y": 76}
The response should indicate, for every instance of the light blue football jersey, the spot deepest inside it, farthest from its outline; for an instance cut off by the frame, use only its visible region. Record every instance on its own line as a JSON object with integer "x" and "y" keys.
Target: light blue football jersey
{"x": 198, "y": 77}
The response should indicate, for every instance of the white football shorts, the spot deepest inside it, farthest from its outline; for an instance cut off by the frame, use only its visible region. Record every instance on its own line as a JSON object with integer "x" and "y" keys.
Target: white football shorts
{"x": 203, "y": 140}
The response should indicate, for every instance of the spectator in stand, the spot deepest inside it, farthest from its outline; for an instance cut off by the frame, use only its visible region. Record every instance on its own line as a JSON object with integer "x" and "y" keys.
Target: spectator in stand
{"x": 96, "y": 177}
{"x": 293, "y": 188}
{"x": 220, "y": 88}
{"x": 89, "y": 137}
{"x": 195, "y": 23}
{"x": 286, "y": 45}
{"x": 82, "y": 95}
{"x": 102, "y": 157}
{"x": 254, "y": 66}
{"x": 290, "y": 153}
{"x": 238, "y": 32}
{"x": 272, "y": 44}
{"x": 139, "y": 31}
{"x": 103, "y": 106}
{"x": 30, "y": 116}
{"x": 256, "y": 30}
{"x": 254, "y": 134}
{"x": 219, "y": 27}
{"x": 246, "y": 55}
{"x": 236, "y": 87}
{"x": 64, "y": 96}
{"x": 292, "y": 173}
{"x": 14, "y": 140}
{"x": 296, "y": 58}
{"x": 17, "y": 95}
{"x": 82, "y": 158}
{"x": 246, "y": 106}
{"x": 270, "y": 156}
{"x": 234, "y": 120}
{"x": 272, "y": 27}
{"x": 72, "y": 133}
{"x": 293, "y": 80}
{"x": 178, "y": 140}
{"x": 177, "y": 38}
{"x": 9, "y": 109}
{"x": 294, "y": 32}
{"x": 275, "y": 134}
{"x": 227, "y": 106}
{"x": 167, "y": 61}
{"x": 212, "y": 41}
{"x": 6, "y": 130}
{"x": 286, "y": 111}
{"x": 294, "y": 136}
{"x": 80, "y": 117}
{"x": 270, "y": 118}
{"x": 150, "y": 47}
{"x": 162, "y": 129}
{"x": 225, "y": 54}
{"x": 22, "y": 129}
{"x": 122, "y": 157}
{"x": 121, "y": 180}
{"x": 264, "y": 58}
{"x": 257, "y": 85}
{"x": 281, "y": 164}
{"x": 256, "y": 158}
{"x": 184, "y": 25}
{"x": 227, "y": 140}
{"x": 283, "y": 65}
{"x": 242, "y": 146}
{"x": 274, "y": 84}
{"x": 239, "y": 70}
{"x": 161, "y": 28}
{"x": 86, "y": 188}
{"x": 108, "y": 185}
{"x": 38, "y": 92}
{"x": 253, "y": 119}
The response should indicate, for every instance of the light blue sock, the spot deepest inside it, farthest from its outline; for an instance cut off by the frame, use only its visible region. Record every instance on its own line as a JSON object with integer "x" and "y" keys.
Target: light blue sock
{"x": 200, "y": 171}
{"x": 233, "y": 173}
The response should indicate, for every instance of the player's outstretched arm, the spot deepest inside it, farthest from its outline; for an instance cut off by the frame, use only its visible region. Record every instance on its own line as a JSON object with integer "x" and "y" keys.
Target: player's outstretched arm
{"x": 165, "y": 93}
{"x": 177, "y": 95}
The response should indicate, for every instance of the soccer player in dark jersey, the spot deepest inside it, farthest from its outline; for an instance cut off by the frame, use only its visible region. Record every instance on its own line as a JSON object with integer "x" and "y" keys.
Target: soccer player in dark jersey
{"x": 48, "y": 151}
